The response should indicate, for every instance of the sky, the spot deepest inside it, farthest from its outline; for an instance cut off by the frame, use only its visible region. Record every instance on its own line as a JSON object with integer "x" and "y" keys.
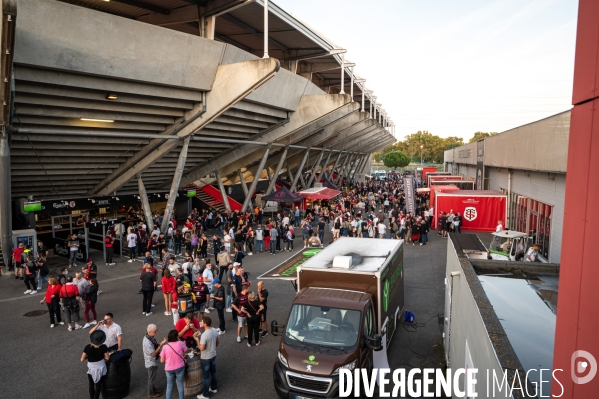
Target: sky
{"x": 454, "y": 67}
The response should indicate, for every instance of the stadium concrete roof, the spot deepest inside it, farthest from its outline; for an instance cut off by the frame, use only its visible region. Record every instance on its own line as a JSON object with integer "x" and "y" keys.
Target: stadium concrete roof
{"x": 106, "y": 91}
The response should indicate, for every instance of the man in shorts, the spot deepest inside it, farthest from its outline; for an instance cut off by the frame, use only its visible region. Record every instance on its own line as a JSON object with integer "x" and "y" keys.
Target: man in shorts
{"x": 240, "y": 301}
{"x": 16, "y": 257}
{"x": 202, "y": 296}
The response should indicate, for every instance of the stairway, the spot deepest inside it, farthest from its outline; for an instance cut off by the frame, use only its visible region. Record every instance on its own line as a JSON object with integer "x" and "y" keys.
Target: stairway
{"x": 211, "y": 196}
{"x": 209, "y": 201}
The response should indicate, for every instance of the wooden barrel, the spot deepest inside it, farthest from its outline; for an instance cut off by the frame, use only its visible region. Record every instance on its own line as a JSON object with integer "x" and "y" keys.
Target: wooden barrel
{"x": 193, "y": 378}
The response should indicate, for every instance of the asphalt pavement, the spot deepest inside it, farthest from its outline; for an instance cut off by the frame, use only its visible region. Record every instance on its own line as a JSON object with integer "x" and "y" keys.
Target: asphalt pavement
{"x": 40, "y": 362}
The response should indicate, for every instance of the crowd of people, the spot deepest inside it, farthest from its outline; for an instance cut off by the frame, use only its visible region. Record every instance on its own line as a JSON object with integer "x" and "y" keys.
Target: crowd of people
{"x": 197, "y": 265}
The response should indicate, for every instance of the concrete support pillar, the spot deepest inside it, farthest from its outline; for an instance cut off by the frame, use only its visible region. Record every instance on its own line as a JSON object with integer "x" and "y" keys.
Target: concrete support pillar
{"x": 357, "y": 166}
{"x": 298, "y": 173}
{"x": 316, "y": 165}
{"x": 5, "y": 197}
{"x": 342, "y": 167}
{"x": 334, "y": 165}
{"x": 342, "y": 74}
{"x": 268, "y": 175}
{"x": 351, "y": 167}
{"x": 248, "y": 198}
{"x": 170, "y": 203}
{"x": 244, "y": 185}
{"x": 265, "y": 29}
{"x": 145, "y": 202}
{"x": 223, "y": 192}
{"x": 325, "y": 165}
{"x": 302, "y": 181}
{"x": 277, "y": 171}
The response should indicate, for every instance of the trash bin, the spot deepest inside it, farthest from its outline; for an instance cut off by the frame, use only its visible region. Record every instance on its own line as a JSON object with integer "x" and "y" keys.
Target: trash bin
{"x": 118, "y": 378}
{"x": 193, "y": 378}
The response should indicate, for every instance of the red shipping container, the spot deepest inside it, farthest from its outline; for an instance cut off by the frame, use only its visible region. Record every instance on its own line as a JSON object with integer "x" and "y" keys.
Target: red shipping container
{"x": 426, "y": 170}
{"x": 440, "y": 189}
{"x": 480, "y": 209}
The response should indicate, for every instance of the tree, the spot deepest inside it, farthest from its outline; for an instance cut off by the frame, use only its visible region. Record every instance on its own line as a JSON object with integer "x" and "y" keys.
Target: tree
{"x": 377, "y": 156}
{"x": 396, "y": 159}
{"x": 481, "y": 135}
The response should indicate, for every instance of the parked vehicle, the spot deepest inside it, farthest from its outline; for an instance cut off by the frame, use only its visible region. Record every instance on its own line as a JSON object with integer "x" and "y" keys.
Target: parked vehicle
{"x": 351, "y": 296}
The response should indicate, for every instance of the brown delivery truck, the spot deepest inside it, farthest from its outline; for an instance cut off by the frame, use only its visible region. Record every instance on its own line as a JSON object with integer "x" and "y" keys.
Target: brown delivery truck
{"x": 351, "y": 296}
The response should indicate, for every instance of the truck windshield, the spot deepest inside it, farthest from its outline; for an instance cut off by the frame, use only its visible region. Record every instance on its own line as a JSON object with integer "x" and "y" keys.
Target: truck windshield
{"x": 323, "y": 326}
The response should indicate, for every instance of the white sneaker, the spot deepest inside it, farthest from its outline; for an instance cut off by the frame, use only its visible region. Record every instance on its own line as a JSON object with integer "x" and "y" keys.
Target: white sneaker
{"x": 229, "y": 310}
{"x": 250, "y": 254}
{"x": 27, "y": 292}
{"x": 33, "y": 292}
{"x": 201, "y": 396}
{"x": 420, "y": 244}
{"x": 221, "y": 332}
{"x": 93, "y": 322}
{"x": 51, "y": 325}
{"x": 238, "y": 337}
{"x": 153, "y": 305}
{"x": 77, "y": 326}
{"x": 130, "y": 261}
{"x": 206, "y": 311}
{"x": 144, "y": 313}
{"x": 149, "y": 313}
{"x": 70, "y": 328}
{"x": 87, "y": 325}
{"x": 212, "y": 390}
{"x": 112, "y": 264}
{"x": 166, "y": 313}
{"x": 61, "y": 323}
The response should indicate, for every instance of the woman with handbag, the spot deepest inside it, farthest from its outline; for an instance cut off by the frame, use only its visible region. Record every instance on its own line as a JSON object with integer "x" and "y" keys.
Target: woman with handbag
{"x": 253, "y": 308}
{"x": 173, "y": 357}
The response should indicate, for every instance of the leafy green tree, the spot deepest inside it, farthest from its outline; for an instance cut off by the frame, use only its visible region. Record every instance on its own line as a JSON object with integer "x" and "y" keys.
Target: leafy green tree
{"x": 395, "y": 159}
{"x": 481, "y": 135}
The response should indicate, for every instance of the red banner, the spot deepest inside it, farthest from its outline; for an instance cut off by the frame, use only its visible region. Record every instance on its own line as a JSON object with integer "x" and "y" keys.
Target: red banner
{"x": 479, "y": 212}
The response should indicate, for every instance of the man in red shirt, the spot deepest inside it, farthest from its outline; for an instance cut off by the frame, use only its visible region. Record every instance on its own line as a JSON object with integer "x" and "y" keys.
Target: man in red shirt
{"x": 109, "y": 240}
{"x": 69, "y": 301}
{"x": 187, "y": 328}
{"x": 16, "y": 258}
{"x": 202, "y": 297}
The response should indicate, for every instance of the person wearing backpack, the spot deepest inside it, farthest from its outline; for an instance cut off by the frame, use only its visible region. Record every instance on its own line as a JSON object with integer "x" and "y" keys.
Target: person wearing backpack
{"x": 69, "y": 301}
{"x": 30, "y": 275}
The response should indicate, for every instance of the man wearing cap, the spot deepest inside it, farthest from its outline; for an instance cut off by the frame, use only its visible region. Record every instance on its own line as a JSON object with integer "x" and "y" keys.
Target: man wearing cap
{"x": 218, "y": 294}
{"x": 533, "y": 253}
{"x": 208, "y": 280}
{"x": 202, "y": 296}
{"x": 114, "y": 334}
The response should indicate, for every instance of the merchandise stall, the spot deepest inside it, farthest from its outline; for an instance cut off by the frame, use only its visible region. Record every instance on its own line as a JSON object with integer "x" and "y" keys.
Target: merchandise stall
{"x": 480, "y": 209}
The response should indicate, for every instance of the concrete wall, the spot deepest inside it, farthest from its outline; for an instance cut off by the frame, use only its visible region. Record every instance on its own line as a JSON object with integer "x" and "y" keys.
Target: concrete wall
{"x": 466, "y": 325}
{"x": 56, "y": 35}
{"x": 541, "y": 145}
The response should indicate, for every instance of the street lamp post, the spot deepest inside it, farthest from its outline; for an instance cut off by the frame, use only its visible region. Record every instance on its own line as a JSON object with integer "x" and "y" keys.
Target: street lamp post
{"x": 421, "y": 147}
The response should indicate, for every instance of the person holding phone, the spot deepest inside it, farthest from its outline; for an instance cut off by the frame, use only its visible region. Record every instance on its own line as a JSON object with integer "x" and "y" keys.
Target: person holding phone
{"x": 151, "y": 349}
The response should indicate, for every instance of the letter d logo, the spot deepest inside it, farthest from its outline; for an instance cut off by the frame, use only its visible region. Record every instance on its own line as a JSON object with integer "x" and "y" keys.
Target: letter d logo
{"x": 580, "y": 366}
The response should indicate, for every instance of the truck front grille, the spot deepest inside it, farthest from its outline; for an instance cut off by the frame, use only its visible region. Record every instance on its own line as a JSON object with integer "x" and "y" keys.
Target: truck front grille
{"x": 308, "y": 383}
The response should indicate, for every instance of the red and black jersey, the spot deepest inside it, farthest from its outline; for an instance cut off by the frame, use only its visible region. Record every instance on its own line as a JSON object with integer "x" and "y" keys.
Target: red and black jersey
{"x": 201, "y": 292}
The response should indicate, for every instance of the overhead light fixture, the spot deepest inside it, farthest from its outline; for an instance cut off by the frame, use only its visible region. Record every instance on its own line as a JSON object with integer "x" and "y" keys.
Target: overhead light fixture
{"x": 97, "y": 120}
{"x": 111, "y": 97}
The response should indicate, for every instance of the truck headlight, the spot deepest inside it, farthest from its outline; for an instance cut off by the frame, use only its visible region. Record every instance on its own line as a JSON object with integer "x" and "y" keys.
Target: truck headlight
{"x": 349, "y": 366}
{"x": 284, "y": 361}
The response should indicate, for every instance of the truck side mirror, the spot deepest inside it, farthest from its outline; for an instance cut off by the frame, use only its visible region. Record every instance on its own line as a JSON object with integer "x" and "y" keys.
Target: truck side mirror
{"x": 375, "y": 342}
{"x": 274, "y": 328}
